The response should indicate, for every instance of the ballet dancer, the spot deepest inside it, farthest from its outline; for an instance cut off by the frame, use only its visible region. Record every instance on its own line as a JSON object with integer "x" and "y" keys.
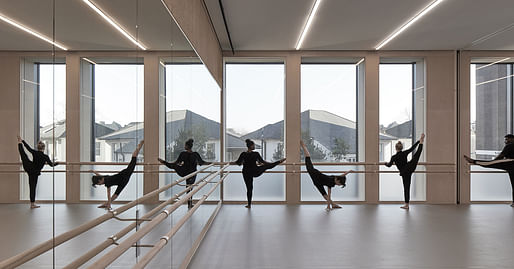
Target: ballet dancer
{"x": 33, "y": 168}
{"x": 320, "y": 180}
{"x": 504, "y": 161}
{"x": 186, "y": 164}
{"x": 253, "y": 166}
{"x": 406, "y": 168}
{"x": 120, "y": 179}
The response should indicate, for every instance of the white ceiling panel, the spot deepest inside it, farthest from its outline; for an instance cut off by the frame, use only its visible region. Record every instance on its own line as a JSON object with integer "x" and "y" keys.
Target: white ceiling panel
{"x": 80, "y": 28}
{"x": 363, "y": 24}
{"x": 455, "y": 24}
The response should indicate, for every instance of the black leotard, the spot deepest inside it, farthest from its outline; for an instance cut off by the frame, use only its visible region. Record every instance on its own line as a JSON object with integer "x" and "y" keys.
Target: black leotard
{"x": 121, "y": 179}
{"x": 406, "y": 168}
{"x": 39, "y": 159}
{"x": 249, "y": 160}
{"x": 319, "y": 179}
{"x": 189, "y": 162}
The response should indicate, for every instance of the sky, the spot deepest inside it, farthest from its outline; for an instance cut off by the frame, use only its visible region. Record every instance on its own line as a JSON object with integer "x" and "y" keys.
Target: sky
{"x": 254, "y": 92}
{"x": 192, "y": 87}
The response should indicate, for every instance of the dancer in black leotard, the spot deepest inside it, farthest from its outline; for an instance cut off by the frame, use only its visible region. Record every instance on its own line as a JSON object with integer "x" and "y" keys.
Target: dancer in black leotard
{"x": 120, "y": 179}
{"x": 406, "y": 168}
{"x": 320, "y": 180}
{"x": 253, "y": 166}
{"x": 504, "y": 161}
{"x": 33, "y": 168}
{"x": 186, "y": 164}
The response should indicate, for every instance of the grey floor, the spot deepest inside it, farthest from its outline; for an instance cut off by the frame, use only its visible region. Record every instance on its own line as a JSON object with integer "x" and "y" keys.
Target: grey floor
{"x": 23, "y": 228}
{"x": 280, "y": 236}
{"x": 360, "y": 236}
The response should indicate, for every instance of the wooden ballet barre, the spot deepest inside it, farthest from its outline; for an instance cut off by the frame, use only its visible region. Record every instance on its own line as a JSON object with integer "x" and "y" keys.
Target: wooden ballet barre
{"x": 56, "y": 241}
{"x": 164, "y": 239}
{"x": 112, "y": 255}
{"x": 347, "y": 163}
{"x": 488, "y": 172}
{"x": 114, "y": 239}
{"x": 340, "y": 172}
{"x": 223, "y": 163}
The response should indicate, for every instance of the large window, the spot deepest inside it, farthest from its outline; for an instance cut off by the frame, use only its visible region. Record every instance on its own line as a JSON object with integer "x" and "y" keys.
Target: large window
{"x": 255, "y": 110}
{"x": 50, "y": 127}
{"x": 491, "y": 119}
{"x": 192, "y": 111}
{"x": 401, "y": 119}
{"x": 329, "y": 124}
{"x": 117, "y": 93}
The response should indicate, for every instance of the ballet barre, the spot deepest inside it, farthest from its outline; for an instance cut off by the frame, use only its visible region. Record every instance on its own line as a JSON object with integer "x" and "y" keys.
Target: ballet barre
{"x": 113, "y": 240}
{"x": 29, "y": 254}
{"x": 266, "y": 172}
{"x": 164, "y": 239}
{"x": 112, "y": 255}
{"x": 223, "y": 163}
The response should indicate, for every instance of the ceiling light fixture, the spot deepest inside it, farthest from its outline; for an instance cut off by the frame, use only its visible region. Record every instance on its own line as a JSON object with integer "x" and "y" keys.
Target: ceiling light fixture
{"x": 114, "y": 24}
{"x": 30, "y": 31}
{"x": 87, "y": 60}
{"x": 409, "y": 23}
{"x": 308, "y": 24}
{"x": 359, "y": 62}
{"x": 487, "y": 65}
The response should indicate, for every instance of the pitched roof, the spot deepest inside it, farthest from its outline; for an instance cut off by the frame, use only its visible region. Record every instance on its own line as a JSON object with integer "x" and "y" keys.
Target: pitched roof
{"x": 403, "y": 130}
{"x": 176, "y": 121}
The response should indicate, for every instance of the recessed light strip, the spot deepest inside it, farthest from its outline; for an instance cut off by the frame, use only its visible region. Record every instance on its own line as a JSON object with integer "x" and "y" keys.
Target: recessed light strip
{"x": 87, "y": 60}
{"x": 308, "y": 24}
{"x": 30, "y": 31}
{"x": 409, "y": 23}
{"x": 487, "y": 65}
{"x": 359, "y": 62}
{"x": 114, "y": 24}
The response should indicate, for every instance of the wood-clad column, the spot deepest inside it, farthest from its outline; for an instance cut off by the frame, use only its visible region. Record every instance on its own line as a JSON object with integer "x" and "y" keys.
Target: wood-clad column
{"x": 293, "y": 127}
{"x": 371, "y": 136}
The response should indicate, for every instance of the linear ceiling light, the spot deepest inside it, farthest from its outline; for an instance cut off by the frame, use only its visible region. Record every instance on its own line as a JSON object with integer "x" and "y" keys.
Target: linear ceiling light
{"x": 114, "y": 24}
{"x": 308, "y": 24}
{"x": 32, "y": 32}
{"x": 409, "y": 23}
{"x": 487, "y": 65}
{"x": 359, "y": 62}
{"x": 88, "y": 60}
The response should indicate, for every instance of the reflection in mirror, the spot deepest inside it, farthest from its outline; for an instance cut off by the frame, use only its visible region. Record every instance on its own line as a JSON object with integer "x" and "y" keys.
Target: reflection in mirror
{"x": 91, "y": 72}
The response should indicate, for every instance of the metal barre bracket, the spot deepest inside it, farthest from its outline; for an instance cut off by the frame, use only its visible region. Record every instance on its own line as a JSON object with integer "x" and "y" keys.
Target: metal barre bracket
{"x": 165, "y": 238}
{"x": 167, "y": 212}
{"x": 114, "y": 239}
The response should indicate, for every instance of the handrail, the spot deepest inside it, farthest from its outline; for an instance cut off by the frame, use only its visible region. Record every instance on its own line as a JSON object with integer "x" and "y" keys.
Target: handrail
{"x": 266, "y": 172}
{"x": 164, "y": 239}
{"x": 223, "y": 163}
{"x": 111, "y": 240}
{"x": 56, "y": 241}
{"x": 112, "y": 255}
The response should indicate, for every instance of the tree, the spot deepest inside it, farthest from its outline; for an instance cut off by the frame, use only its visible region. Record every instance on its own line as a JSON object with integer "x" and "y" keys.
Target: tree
{"x": 174, "y": 149}
{"x": 340, "y": 149}
{"x": 279, "y": 152}
{"x": 315, "y": 151}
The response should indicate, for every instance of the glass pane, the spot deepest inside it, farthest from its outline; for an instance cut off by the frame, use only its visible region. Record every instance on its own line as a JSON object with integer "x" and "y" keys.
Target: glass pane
{"x": 192, "y": 111}
{"x": 255, "y": 110}
{"x": 491, "y": 119}
{"x": 118, "y": 116}
{"x": 329, "y": 125}
{"x": 52, "y": 131}
{"x": 396, "y": 124}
